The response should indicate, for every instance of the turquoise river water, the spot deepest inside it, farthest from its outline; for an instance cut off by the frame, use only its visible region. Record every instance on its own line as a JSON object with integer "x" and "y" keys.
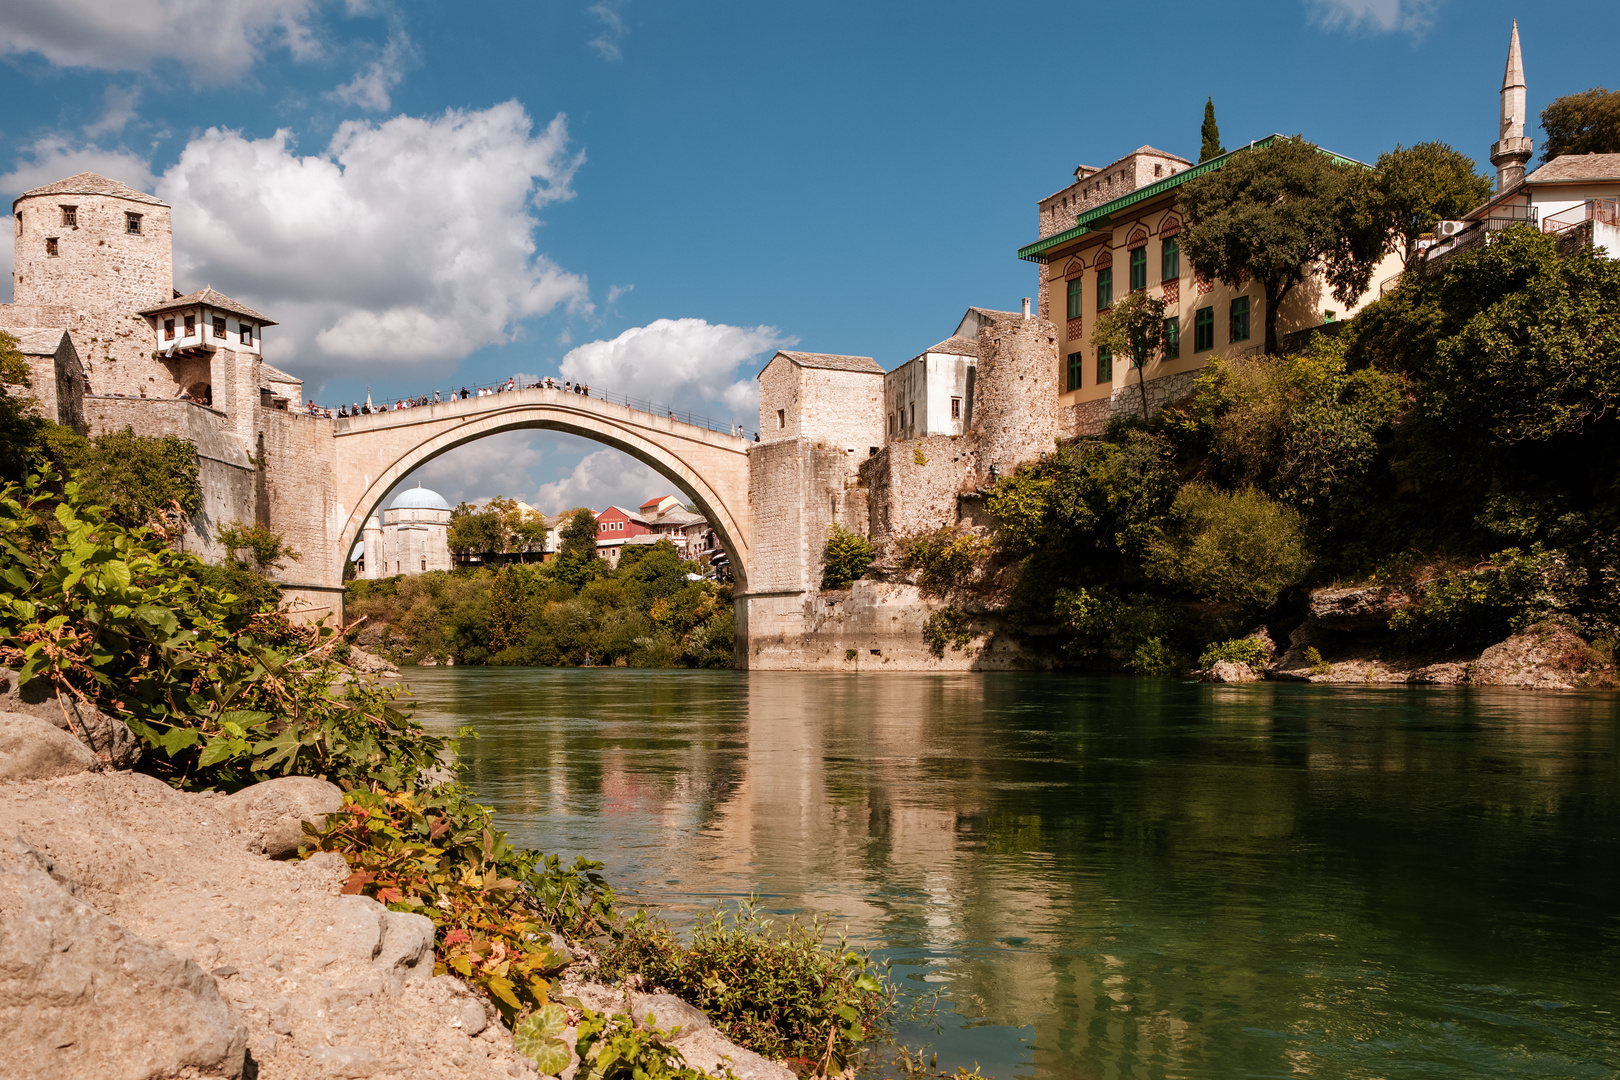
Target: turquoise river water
{"x": 1113, "y": 877}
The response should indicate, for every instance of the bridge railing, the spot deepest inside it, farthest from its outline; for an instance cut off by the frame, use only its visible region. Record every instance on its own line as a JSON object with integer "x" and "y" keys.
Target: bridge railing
{"x": 646, "y": 405}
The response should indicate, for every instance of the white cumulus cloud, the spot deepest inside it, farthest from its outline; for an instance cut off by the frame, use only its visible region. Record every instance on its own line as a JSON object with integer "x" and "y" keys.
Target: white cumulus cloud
{"x": 54, "y": 158}
{"x": 215, "y": 40}
{"x": 402, "y": 243}
{"x": 602, "y": 478}
{"x": 118, "y": 109}
{"x": 685, "y": 364}
{"x": 372, "y": 87}
{"x": 1407, "y": 16}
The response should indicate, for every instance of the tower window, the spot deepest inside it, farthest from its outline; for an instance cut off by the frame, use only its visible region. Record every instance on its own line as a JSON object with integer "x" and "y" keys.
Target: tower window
{"x": 781, "y": 418}
{"x": 191, "y": 325}
{"x": 247, "y": 333}
{"x": 219, "y": 328}
{"x": 168, "y": 329}
{"x": 70, "y": 216}
{"x": 51, "y": 247}
{"x": 956, "y": 408}
{"x": 132, "y": 223}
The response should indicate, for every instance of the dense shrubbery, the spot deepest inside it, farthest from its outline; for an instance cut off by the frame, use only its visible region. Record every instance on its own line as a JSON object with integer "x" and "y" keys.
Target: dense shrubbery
{"x": 845, "y": 558}
{"x": 1470, "y": 419}
{"x": 645, "y": 613}
{"x": 784, "y": 994}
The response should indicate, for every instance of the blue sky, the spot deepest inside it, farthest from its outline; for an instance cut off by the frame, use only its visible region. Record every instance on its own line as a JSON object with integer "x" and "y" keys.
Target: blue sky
{"x": 654, "y": 196}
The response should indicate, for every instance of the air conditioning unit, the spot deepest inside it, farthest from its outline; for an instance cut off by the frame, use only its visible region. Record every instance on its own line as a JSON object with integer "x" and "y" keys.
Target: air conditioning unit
{"x": 1451, "y": 228}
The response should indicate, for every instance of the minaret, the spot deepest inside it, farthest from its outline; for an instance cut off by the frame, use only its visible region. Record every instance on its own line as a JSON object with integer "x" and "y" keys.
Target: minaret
{"x": 1510, "y": 154}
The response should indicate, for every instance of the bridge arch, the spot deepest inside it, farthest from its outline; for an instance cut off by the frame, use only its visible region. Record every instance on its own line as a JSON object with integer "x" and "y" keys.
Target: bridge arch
{"x": 374, "y": 453}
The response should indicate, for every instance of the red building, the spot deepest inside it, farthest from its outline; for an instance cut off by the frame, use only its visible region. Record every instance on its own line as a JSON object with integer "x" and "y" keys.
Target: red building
{"x": 614, "y": 526}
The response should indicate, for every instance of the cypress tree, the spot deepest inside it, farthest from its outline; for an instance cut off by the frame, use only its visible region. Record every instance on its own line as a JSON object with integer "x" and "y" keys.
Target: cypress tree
{"x": 1212, "y": 147}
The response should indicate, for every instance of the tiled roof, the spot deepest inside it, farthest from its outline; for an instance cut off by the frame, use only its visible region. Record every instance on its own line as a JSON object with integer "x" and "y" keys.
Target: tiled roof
{"x": 998, "y": 316}
{"x": 1578, "y": 167}
{"x": 36, "y": 340}
{"x": 957, "y": 346}
{"x": 271, "y": 374}
{"x": 833, "y": 363}
{"x": 209, "y": 298}
{"x": 89, "y": 183}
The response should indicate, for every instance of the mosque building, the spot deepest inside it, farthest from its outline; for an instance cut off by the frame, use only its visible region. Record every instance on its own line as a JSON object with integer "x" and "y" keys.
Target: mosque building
{"x": 412, "y": 537}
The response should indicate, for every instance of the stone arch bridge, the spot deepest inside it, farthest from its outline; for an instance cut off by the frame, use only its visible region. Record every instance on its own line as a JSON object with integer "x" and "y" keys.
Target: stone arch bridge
{"x": 366, "y": 456}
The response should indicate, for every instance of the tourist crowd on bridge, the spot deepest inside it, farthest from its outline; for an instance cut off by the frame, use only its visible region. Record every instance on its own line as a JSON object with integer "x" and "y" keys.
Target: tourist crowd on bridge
{"x": 547, "y": 383}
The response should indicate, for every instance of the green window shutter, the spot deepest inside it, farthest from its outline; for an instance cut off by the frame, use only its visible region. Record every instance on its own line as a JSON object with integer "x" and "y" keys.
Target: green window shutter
{"x": 1105, "y": 366}
{"x": 1075, "y": 361}
{"x": 1171, "y": 260}
{"x": 1105, "y": 289}
{"x": 1172, "y": 338}
{"x": 1204, "y": 329}
{"x": 1139, "y": 269}
{"x": 1074, "y": 299}
{"x": 1240, "y": 319}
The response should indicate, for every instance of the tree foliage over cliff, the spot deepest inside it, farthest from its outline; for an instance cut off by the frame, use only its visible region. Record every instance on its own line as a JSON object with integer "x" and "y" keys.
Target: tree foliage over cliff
{"x": 1585, "y": 123}
{"x": 1458, "y": 438}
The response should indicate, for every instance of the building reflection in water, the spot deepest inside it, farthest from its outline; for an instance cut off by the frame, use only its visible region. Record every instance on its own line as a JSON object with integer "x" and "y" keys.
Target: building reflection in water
{"x": 1114, "y": 877}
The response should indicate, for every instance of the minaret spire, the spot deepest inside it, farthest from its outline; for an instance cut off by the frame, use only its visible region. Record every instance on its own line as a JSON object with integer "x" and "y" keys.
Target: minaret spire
{"x": 1512, "y": 150}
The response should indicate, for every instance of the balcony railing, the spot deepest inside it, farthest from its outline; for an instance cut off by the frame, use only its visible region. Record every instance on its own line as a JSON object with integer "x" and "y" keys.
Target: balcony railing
{"x": 1606, "y": 211}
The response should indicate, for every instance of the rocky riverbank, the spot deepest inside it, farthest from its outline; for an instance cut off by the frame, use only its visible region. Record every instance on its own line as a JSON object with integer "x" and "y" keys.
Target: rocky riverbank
{"x": 1346, "y": 639}
{"x": 147, "y": 932}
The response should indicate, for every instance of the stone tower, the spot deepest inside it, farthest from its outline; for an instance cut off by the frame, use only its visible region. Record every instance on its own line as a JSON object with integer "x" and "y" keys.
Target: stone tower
{"x": 1512, "y": 150}
{"x": 90, "y": 254}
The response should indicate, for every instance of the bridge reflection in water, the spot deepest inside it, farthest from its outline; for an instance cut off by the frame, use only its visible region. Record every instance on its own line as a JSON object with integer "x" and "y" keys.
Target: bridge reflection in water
{"x": 1115, "y": 877}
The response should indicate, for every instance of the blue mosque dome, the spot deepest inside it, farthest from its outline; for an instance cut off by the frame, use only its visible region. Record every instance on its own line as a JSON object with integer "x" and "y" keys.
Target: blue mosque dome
{"x": 418, "y": 498}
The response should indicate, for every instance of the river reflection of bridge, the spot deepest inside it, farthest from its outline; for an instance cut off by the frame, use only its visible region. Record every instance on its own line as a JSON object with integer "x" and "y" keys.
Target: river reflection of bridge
{"x": 1120, "y": 877}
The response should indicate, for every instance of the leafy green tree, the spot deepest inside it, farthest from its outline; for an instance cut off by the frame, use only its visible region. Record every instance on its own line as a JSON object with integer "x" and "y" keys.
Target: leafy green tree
{"x": 845, "y": 558}
{"x": 1411, "y": 189}
{"x": 477, "y": 531}
{"x": 1585, "y": 123}
{"x": 1277, "y": 213}
{"x": 576, "y": 549}
{"x": 654, "y": 571}
{"x": 1134, "y": 327}
{"x": 509, "y": 608}
{"x": 1210, "y": 133}
{"x": 141, "y": 480}
{"x": 1240, "y": 548}
{"x": 19, "y": 426}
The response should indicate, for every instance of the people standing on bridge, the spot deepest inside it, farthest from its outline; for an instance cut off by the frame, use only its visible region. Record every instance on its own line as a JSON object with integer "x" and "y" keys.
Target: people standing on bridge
{"x": 464, "y": 393}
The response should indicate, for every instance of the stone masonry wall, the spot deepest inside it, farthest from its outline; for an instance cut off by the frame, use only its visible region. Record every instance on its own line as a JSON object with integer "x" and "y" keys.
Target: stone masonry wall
{"x": 225, "y": 467}
{"x": 796, "y": 490}
{"x": 843, "y": 409}
{"x": 1013, "y": 415}
{"x": 297, "y": 454}
{"x": 906, "y": 496}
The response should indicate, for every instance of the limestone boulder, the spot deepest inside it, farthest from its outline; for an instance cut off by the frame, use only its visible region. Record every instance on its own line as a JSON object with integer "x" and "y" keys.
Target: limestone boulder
{"x": 1359, "y": 609}
{"x": 668, "y": 1011}
{"x": 711, "y": 1051}
{"x": 1224, "y": 671}
{"x": 272, "y": 813}
{"x": 108, "y": 737}
{"x": 405, "y": 952}
{"x": 34, "y": 749}
{"x": 1547, "y": 656}
{"x": 81, "y": 996}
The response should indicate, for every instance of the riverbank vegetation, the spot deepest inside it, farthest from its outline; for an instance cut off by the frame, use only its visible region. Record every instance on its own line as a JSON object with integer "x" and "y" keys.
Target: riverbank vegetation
{"x": 652, "y": 610}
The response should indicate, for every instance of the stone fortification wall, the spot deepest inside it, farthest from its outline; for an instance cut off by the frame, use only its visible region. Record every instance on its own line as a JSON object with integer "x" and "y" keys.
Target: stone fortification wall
{"x": 872, "y": 626}
{"x": 1088, "y": 418}
{"x": 796, "y": 491}
{"x": 1014, "y": 418}
{"x": 55, "y": 376}
{"x": 109, "y": 272}
{"x": 225, "y": 466}
{"x": 297, "y": 454}
{"x": 907, "y": 496}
